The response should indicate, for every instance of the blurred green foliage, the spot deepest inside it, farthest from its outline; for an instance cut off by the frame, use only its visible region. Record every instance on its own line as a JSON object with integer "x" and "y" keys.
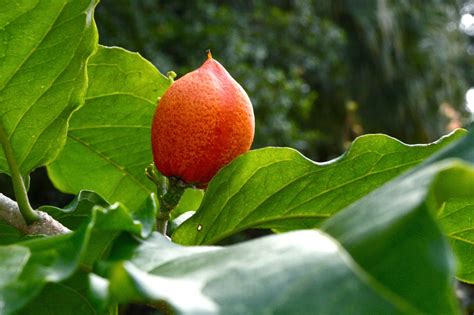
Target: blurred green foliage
{"x": 318, "y": 72}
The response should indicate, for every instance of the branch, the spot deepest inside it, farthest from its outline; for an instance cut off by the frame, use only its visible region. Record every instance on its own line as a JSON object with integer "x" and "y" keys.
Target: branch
{"x": 47, "y": 225}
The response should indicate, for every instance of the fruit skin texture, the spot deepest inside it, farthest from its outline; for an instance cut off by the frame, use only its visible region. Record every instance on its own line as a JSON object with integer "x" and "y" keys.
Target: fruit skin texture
{"x": 203, "y": 121}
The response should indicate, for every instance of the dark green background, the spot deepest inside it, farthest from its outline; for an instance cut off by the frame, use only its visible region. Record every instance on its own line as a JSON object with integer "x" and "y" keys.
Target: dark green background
{"x": 318, "y": 72}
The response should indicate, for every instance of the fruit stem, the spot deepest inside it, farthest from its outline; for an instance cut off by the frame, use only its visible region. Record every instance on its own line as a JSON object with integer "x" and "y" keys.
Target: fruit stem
{"x": 209, "y": 55}
{"x": 19, "y": 187}
{"x": 168, "y": 201}
{"x": 169, "y": 191}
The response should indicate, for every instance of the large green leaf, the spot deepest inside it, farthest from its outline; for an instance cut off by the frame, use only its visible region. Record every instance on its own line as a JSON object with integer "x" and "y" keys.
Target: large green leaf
{"x": 293, "y": 273}
{"x": 279, "y": 188}
{"x": 413, "y": 197}
{"x": 44, "y": 46}
{"x": 378, "y": 246}
{"x": 304, "y": 272}
{"x": 389, "y": 239}
{"x": 109, "y": 144}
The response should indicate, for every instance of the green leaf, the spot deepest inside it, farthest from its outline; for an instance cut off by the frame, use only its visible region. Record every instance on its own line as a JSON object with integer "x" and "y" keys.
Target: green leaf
{"x": 455, "y": 213}
{"x": 128, "y": 283}
{"x": 26, "y": 268}
{"x": 413, "y": 197}
{"x": 190, "y": 201}
{"x": 13, "y": 259}
{"x": 98, "y": 292}
{"x": 304, "y": 272}
{"x": 78, "y": 211}
{"x": 279, "y": 188}
{"x": 174, "y": 224}
{"x": 44, "y": 46}
{"x": 146, "y": 215}
{"x": 390, "y": 234}
{"x": 456, "y": 219}
{"x": 81, "y": 208}
{"x": 389, "y": 240}
{"x": 8, "y": 234}
{"x": 110, "y": 221}
{"x": 109, "y": 146}
{"x": 69, "y": 296}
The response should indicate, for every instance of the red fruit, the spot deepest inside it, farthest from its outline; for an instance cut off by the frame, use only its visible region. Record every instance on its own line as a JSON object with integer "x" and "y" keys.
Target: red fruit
{"x": 203, "y": 121}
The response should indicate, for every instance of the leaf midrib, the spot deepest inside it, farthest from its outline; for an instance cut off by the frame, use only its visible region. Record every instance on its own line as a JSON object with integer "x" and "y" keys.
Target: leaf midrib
{"x": 309, "y": 200}
{"x": 120, "y": 168}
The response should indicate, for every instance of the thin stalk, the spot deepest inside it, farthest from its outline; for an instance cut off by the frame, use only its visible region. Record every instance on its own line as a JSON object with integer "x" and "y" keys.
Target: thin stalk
{"x": 169, "y": 191}
{"x": 162, "y": 220}
{"x": 168, "y": 201}
{"x": 19, "y": 188}
{"x": 113, "y": 309}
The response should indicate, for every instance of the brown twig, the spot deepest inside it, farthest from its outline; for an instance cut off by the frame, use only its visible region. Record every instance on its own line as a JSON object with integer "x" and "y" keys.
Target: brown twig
{"x": 45, "y": 225}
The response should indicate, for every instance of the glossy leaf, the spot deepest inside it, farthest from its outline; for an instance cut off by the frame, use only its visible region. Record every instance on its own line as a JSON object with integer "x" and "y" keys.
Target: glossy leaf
{"x": 78, "y": 210}
{"x": 456, "y": 219}
{"x": 304, "y": 272}
{"x": 26, "y": 268}
{"x": 415, "y": 196}
{"x": 110, "y": 221}
{"x": 190, "y": 201}
{"x": 378, "y": 246}
{"x": 109, "y": 146}
{"x": 44, "y": 46}
{"x": 279, "y": 188}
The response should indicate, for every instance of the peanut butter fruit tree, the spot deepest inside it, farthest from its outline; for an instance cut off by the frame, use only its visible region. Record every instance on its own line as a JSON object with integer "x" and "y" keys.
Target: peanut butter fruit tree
{"x": 386, "y": 228}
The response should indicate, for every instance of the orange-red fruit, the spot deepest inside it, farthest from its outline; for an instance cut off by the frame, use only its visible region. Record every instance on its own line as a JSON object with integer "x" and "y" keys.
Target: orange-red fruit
{"x": 203, "y": 121}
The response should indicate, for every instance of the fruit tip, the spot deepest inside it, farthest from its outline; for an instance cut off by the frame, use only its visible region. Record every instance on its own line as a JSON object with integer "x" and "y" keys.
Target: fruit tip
{"x": 171, "y": 75}
{"x": 209, "y": 55}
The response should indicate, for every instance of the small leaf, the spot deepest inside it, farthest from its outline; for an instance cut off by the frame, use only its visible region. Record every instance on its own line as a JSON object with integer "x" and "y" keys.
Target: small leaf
{"x": 109, "y": 145}
{"x": 78, "y": 210}
{"x": 110, "y": 221}
{"x": 174, "y": 224}
{"x": 44, "y": 46}
{"x": 278, "y": 188}
{"x": 190, "y": 201}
